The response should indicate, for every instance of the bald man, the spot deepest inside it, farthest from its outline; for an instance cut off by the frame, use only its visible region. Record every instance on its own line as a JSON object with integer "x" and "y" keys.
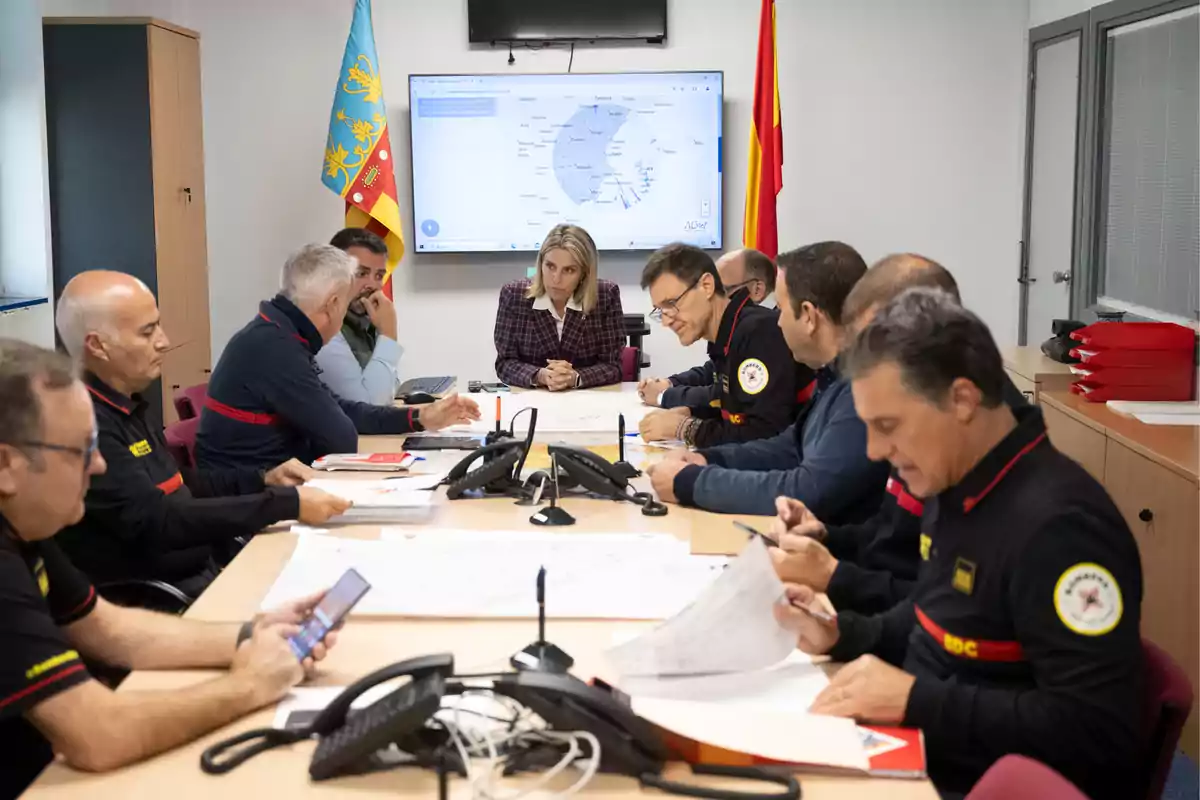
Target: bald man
{"x": 747, "y": 269}
{"x": 146, "y": 517}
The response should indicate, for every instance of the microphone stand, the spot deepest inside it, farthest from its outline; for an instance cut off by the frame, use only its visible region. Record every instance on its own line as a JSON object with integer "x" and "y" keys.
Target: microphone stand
{"x": 542, "y": 656}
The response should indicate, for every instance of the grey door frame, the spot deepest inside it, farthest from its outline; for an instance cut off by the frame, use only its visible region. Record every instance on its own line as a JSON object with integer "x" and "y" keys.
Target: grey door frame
{"x": 1043, "y": 36}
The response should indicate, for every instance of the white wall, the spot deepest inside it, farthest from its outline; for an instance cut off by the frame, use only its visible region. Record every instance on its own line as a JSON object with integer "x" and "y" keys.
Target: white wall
{"x": 25, "y": 265}
{"x": 902, "y": 131}
{"x": 1043, "y": 11}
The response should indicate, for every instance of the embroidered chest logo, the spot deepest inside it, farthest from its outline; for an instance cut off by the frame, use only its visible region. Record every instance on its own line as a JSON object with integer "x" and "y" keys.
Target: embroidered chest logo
{"x": 1088, "y": 600}
{"x": 753, "y": 376}
{"x": 140, "y": 449}
{"x": 926, "y": 546}
{"x": 964, "y": 576}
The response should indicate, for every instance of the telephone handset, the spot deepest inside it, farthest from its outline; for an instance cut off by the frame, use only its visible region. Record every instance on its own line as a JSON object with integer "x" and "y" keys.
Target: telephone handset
{"x": 345, "y": 741}
{"x": 499, "y": 460}
{"x": 333, "y": 716}
{"x": 601, "y": 477}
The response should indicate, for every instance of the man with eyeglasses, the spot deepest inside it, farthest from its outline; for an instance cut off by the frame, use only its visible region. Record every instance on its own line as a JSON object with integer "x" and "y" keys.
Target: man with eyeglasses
{"x": 747, "y": 269}
{"x": 821, "y": 459}
{"x": 758, "y": 388}
{"x": 51, "y": 618}
{"x": 146, "y": 518}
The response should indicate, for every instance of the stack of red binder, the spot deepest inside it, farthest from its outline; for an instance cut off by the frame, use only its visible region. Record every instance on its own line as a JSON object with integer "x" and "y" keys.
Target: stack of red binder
{"x": 1135, "y": 361}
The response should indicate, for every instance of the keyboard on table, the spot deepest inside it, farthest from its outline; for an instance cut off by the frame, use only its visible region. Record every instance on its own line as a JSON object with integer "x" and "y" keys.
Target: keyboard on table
{"x": 434, "y": 385}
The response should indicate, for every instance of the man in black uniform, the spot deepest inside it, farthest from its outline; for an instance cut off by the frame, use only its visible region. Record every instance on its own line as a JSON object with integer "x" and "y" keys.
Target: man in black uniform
{"x": 147, "y": 518}
{"x": 870, "y": 566}
{"x": 757, "y": 382}
{"x": 50, "y": 617}
{"x": 1022, "y": 634}
{"x": 266, "y": 402}
{"x": 747, "y": 269}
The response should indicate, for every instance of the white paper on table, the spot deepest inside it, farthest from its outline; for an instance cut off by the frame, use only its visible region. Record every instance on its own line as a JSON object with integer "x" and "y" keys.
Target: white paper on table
{"x": 665, "y": 444}
{"x": 493, "y": 574}
{"x": 730, "y": 627}
{"x": 1137, "y": 407}
{"x": 301, "y": 529}
{"x": 788, "y": 736}
{"x": 379, "y": 500}
{"x": 1190, "y": 420}
{"x": 791, "y": 685}
{"x": 579, "y": 411}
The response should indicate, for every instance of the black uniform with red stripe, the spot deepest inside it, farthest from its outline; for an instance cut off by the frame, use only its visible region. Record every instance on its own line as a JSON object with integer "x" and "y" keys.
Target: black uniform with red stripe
{"x": 1023, "y": 629}
{"x": 266, "y": 402}
{"x": 146, "y": 518}
{"x": 759, "y": 389}
{"x": 40, "y": 592}
{"x": 878, "y": 559}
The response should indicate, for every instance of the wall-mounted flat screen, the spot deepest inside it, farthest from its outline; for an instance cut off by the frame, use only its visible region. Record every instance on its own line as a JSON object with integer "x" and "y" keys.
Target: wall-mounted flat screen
{"x": 498, "y": 160}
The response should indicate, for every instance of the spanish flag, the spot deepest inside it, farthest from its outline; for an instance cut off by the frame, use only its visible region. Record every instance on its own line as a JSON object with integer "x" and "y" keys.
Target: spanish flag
{"x": 760, "y": 229}
{"x": 358, "y": 155}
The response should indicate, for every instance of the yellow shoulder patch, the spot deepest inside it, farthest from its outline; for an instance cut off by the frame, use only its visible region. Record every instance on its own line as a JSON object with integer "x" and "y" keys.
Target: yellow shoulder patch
{"x": 140, "y": 449}
{"x": 753, "y": 376}
{"x": 1088, "y": 599}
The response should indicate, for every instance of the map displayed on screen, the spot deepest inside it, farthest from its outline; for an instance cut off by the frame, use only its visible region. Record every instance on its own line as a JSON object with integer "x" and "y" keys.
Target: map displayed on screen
{"x": 498, "y": 160}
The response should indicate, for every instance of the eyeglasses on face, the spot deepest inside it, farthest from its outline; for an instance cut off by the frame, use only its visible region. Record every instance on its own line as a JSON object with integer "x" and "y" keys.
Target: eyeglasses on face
{"x": 672, "y": 306}
{"x": 85, "y": 453}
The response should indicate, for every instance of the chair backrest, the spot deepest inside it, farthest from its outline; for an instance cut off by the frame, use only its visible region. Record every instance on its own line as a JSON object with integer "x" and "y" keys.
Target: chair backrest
{"x": 630, "y": 366}
{"x": 1169, "y": 696}
{"x": 190, "y": 400}
{"x": 1019, "y": 777}
{"x": 181, "y": 440}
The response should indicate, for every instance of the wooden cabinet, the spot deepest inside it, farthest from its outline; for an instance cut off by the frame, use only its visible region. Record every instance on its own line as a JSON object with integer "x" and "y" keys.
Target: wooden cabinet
{"x": 1084, "y": 444}
{"x": 1032, "y": 373}
{"x": 124, "y": 125}
{"x": 1152, "y": 474}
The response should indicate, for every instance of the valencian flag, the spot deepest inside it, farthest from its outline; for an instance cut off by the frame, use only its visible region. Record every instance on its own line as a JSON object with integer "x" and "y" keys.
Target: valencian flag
{"x": 358, "y": 155}
{"x": 760, "y": 229}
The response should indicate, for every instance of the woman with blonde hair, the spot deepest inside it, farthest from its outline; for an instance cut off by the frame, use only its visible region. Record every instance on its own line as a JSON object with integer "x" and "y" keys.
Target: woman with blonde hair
{"x": 563, "y": 329}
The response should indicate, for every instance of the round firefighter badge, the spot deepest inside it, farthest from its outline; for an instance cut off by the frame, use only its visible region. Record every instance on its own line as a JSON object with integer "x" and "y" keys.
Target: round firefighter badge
{"x": 1088, "y": 600}
{"x": 753, "y": 376}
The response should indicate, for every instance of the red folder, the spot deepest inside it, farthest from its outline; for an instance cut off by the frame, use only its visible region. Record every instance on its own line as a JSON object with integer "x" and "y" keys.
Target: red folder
{"x": 1135, "y": 336}
{"x": 1179, "y": 359}
{"x": 898, "y": 753}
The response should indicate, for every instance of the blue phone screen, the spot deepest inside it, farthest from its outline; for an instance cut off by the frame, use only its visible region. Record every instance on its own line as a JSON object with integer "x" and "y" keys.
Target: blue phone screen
{"x": 329, "y": 613}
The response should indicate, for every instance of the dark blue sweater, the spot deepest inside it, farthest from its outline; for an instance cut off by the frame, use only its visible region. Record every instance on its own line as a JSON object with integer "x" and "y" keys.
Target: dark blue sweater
{"x": 266, "y": 402}
{"x": 820, "y": 460}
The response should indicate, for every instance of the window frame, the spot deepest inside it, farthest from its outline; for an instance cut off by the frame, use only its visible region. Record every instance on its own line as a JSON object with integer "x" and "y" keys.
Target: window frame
{"x": 1092, "y": 199}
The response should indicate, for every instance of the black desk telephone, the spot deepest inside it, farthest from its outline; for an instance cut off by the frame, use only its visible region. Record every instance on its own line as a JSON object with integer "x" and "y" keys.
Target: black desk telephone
{"x": 629, "y": 745}
{"x": 581, "y": 467}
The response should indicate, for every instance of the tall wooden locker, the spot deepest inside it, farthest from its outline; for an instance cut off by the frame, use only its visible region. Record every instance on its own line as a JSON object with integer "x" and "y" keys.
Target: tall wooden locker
{"x": 123, "y": 116}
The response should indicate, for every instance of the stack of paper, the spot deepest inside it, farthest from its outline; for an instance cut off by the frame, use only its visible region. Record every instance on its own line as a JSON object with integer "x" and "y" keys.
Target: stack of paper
{"x": 1151, "y": 413}
{"x": 730, "y": 627}
{"x": 493, "y": 574}
{"x": 382, "y": 501}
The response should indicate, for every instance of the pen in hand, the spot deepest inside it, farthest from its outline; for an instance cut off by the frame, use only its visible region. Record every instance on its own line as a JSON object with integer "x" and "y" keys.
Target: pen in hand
{"x": 767, "y": 540}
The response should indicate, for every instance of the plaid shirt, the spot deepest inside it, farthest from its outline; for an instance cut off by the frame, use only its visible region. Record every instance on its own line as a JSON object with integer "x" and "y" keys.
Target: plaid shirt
{"x": 526, "y": 339}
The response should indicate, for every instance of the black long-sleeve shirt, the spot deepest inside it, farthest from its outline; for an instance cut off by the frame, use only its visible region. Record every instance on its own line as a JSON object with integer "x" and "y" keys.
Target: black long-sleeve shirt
{"x": 1023, "y": 629}
{"x": 266, "y": 402}
{"x": 691, "y": 388}
{"x": 147, "y": 518}
{"x": 759, "y": 388}
{"x": 878, "y": 559}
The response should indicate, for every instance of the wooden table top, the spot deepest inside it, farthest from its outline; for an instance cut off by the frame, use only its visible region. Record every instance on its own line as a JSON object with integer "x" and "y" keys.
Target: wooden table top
{"x": 366, "y": 644}
{"x": 1176, "y": 447}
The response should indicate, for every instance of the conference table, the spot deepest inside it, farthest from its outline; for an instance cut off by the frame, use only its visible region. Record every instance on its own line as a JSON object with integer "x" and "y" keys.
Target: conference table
{"x": 478, "y": 645}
